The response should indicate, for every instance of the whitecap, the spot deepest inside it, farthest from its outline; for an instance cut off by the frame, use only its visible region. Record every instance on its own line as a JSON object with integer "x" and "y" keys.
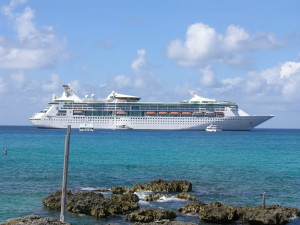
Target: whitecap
{"x": 143, "y": 194}
{"x": 87, "y": 189}
{"x": 170, "y": 199}
{"x": 293, "y": 218}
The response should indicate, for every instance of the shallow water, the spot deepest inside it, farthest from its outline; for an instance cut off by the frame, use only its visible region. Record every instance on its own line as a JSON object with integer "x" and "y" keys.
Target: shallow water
{"x": 230, "y": 167}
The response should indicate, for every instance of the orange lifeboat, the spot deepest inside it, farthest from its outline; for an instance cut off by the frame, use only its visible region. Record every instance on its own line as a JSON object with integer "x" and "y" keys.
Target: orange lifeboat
{"x": 121, "y": 113}
{"x": 150, "y": 113}
{"x": 163, "y": 113}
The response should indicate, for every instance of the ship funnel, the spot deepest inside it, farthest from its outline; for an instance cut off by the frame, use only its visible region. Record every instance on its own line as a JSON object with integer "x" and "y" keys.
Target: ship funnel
{"x": 86, "y": 97}
{"x": 93, "y": 96}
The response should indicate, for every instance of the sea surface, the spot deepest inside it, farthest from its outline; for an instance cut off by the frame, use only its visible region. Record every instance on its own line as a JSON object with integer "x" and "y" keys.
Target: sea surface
{"x": 230, "y": 167}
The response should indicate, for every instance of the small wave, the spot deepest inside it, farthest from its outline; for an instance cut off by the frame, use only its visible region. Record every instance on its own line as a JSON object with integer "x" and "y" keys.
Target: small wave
{"x": 87, "y": 189}
{"x": 293, "y": 218}
{"x": 143, "y": 194}
{"x": 170, "y": 199}
{"x": 92, "y": 189}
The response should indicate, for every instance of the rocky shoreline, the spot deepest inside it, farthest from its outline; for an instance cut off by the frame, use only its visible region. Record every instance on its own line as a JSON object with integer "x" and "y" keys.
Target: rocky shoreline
{"x": 123, "y": 201}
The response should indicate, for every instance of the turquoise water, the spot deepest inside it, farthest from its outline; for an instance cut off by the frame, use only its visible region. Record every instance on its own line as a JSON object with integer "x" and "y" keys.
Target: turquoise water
{"x": 230, "y": 167}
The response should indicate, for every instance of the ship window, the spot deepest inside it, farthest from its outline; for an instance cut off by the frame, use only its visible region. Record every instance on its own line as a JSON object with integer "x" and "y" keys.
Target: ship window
{"x": 135, "y": 108}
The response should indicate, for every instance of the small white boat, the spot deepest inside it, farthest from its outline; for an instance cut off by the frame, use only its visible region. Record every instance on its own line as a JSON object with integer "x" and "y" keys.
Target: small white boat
{"x": 213, "y": 128}
{"x": 86, "y": 127}
{"x": 122, "y": 127}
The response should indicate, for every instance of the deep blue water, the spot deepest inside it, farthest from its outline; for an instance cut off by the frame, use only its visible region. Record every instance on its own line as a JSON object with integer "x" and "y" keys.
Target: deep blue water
{"x": 230, "y": 167}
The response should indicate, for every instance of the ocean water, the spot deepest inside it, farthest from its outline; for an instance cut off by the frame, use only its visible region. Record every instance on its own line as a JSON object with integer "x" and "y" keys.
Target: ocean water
{"x": 230, "y": 167}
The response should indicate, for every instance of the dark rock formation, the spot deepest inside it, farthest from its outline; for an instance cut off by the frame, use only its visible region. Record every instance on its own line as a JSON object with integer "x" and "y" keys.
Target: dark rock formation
{"x": 219, "y": 213}
{"x": 53, "y": 200}
{"x": 193, "y": 207}
{"x": 33, "y": 220}
{"x": 94, "y": 204}
{"x": 83, "y": 202}
{"x": 150, "y": 215}
{"x": 186, "y": 196}
{"x": 119, "y": 190}
{"x": 274, "y": 214}
{"x": 160, "y": 185}
{"x": 155, "y": 197}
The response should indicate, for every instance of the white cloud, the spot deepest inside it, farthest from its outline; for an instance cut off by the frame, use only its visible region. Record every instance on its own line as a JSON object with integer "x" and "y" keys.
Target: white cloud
{"x": 144, "y": 78}
{"x": 289, "y": 68}
{"x": 122, "y": 81}
{"x": 18, "y": 79}
{"x": 138, "y": 64}
{"x": 2, "y": 85}
{"x": 205, "y": 46}
{"x": 280, "y": 82}
{"x": 229, "y": 84}
{"x": 208, "y": 77}
{"x": 34, "y": 47}
{"x": 291, "y": 89}
{"x": 53, "y": 85}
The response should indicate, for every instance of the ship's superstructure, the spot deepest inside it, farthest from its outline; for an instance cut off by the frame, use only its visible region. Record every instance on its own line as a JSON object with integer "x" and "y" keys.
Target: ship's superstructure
{"x": 119, "y": 110}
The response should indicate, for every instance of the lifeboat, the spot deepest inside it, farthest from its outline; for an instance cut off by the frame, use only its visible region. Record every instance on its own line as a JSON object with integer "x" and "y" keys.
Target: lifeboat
{"x": 174, "y": 113}
{"x": 186, "y": 113}
{"x": 163, "y": 113}
{"x": 210, "y": 114}
{"x": 220, "y": 114}
{"x": 150, "y": 113}
{"x": 198, "y": 114}
{"x": 78, "y": 112}
{"x": 121, "y": 113}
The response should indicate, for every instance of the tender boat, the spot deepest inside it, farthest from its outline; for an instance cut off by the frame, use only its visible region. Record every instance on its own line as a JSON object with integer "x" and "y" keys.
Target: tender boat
{"x": 122, "y": 127}
{"x": 86, "y": 127}
{"x": 213, "y": 128}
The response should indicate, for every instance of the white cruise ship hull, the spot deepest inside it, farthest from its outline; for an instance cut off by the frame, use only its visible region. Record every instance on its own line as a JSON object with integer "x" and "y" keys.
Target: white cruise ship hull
{"x": 120, "y": 111}
{"x": 234, "y": 123}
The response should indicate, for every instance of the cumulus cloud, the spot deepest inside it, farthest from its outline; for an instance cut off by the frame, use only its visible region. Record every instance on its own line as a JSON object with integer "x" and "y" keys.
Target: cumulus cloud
{"x": 138, "y": 65}
{"x": 205, "y": 46}
{"x": 33, "y": 47}
{"x": 142, "y": 77}
{"x": 289, "y": 68}
{"x": 280, "y": 82}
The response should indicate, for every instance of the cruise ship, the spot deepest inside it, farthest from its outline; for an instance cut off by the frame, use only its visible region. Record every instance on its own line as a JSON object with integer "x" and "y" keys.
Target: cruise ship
{"x": 119, "y": 111}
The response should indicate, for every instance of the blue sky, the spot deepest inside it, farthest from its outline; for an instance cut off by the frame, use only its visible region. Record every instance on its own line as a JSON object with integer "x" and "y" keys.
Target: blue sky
{"x": 244, "y": 51}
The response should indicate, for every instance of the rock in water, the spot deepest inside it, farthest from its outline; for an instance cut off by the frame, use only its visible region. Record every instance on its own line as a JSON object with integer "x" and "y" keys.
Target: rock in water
{"x": 119, "y": 190}
{"x": 94, "y": 204}
{"x": 160, "y": 185}
{"x": 186, "y": 196}
{"x": 274, "y": 214}
{"x": 150, "y": 215}
{"x": 53, "y": 201}
{"x": 218, "y": 213}
{"x": 193, "y": 207}
{"x": 33, "y": 220}
{"x": 155, "y": 197}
